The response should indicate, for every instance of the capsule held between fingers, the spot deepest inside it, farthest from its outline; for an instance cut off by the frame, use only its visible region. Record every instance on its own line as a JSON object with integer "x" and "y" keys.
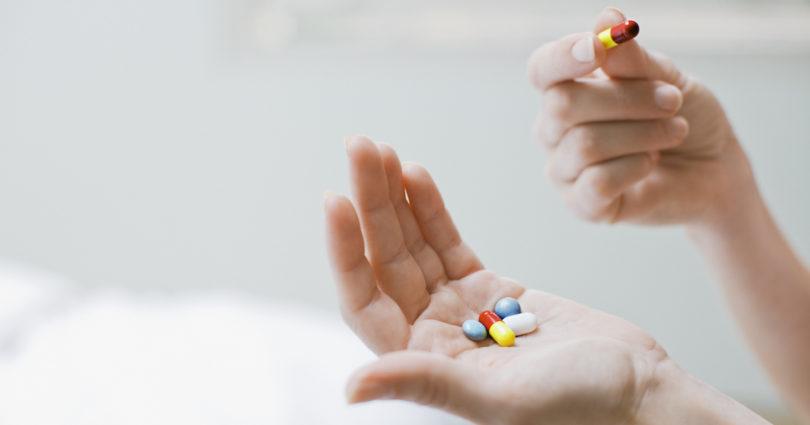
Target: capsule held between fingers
{"x": 618, "y": 34}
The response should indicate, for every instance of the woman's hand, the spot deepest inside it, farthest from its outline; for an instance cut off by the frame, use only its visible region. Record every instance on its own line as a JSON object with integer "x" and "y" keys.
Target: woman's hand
{"x": 630, "y": 138}
{"x": 406, "y": 283}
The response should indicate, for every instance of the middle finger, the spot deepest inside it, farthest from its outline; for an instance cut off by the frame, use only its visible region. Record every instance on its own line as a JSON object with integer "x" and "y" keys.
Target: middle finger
{"x": 595, "y": 100}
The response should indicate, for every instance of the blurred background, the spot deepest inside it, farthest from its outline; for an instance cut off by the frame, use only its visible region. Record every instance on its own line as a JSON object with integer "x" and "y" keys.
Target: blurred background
{"x": 183, "y": 146}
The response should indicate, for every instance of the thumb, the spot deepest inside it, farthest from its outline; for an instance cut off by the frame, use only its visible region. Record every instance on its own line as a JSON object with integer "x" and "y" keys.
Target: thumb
{"x": 421, "y": 377}
{"x": 630, "y": 60}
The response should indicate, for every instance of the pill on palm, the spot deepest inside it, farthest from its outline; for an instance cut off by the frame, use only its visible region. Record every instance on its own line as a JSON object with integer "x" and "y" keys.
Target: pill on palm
{"x": 474, "y": 330}
{"x": 497, "y": 328}
{"x": 522, "y": 323}
{"x": 506, "y": 307}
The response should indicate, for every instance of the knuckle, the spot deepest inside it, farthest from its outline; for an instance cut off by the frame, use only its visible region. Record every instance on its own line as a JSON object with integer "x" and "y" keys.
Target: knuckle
{"x": 671, "y": 72}
{"x": 584, "y": 144}
{"x": 554, "y": 133}
{"x": 554, "y": 174}
{"x": 350, "y": 319}
{"x": 587, "y": 211}
{"x": 559, "y": 102}
{"x": 599, "y": 185}
{"x": 583, "y": 209}
{"x": 626, "y": 94}
{"x": 531, "y": 66}
{"x": 534, "y": 67}
{"x": 539, "y": 131}
{"x": 590, "y": 214}
{"x": 662, "y": 129}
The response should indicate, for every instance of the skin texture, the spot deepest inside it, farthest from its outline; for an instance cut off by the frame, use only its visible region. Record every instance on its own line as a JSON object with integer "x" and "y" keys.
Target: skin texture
{"x": 640, "y": 162}
{"x": 613, "y": 151}
{"x": 408, "y": 297}
{"x": 630, "y": 139}
{"x": 407, "y": 281}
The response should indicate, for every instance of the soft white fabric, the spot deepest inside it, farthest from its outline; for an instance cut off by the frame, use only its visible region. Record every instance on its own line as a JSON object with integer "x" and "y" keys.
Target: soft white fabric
{"x": 115, "y": 357}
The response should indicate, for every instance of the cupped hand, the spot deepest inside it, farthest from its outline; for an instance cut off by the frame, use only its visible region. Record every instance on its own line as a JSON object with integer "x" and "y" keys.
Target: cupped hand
{"x": 631, "y": 138}
{"x": 407, "y": 281}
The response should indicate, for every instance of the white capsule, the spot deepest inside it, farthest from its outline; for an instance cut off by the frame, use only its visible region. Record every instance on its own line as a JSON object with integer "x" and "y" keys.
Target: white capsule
{"x": 522, "y": 323}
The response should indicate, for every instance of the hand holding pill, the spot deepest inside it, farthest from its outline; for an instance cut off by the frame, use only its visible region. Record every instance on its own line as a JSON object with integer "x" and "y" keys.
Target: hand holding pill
{"x": 628, "y": 136}
{"x": 418, "y": 296}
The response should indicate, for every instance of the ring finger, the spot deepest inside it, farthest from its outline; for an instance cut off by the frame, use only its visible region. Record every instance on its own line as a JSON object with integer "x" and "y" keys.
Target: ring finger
{"x": 588, "y": 144}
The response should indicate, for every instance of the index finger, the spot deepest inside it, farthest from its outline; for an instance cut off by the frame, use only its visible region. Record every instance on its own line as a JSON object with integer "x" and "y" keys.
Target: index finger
{"x": 631, "y": 60}
{"x": 398, "y": 272}
{"x": 570, "y": 57}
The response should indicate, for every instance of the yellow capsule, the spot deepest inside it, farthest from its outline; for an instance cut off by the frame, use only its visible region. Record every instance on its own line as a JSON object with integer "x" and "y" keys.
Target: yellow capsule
{"x": 502, "y": 334}
{"x": 618, "y": 34}
{"x": 606, "y": 40}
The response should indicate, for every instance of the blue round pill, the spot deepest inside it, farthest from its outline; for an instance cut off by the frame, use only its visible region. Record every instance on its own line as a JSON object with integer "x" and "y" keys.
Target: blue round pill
{"x": 474, "y": 330}
{"x": 506, "y": 307}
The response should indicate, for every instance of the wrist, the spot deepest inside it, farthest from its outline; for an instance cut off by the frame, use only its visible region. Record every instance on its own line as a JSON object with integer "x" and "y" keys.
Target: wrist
{"x": 675, "y": 397}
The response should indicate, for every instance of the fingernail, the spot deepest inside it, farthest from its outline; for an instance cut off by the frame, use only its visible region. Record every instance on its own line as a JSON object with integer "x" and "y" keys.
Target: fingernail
{"x": 677, "y": 128}
{"x": 582, "y": 50}
{"x": 668, "y": 97}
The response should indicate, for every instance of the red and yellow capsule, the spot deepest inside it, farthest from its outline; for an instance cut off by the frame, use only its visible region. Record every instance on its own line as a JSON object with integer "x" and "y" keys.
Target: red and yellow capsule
{"x": 498, "y": 330}
{"x": 619, "y": 34}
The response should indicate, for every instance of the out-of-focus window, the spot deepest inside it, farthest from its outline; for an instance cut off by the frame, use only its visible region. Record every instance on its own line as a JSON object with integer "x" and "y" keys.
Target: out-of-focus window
{"x": 748, "y": 26}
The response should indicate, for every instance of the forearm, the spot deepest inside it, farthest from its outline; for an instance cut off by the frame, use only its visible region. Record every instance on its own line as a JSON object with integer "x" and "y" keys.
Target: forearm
{"x": 676, "y": 398}
{"x": 768, "y": 288}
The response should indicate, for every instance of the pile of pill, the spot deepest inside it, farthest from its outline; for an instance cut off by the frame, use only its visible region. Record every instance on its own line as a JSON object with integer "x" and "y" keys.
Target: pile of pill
{"x": 503, "y": 324}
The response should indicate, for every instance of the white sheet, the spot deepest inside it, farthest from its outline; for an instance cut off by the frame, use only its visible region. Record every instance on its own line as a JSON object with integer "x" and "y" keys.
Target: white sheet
{"x": 116, "y": 357}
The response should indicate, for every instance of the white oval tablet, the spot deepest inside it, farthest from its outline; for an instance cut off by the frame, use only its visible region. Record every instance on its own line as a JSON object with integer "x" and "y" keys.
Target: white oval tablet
{"x": 522, "y": 323}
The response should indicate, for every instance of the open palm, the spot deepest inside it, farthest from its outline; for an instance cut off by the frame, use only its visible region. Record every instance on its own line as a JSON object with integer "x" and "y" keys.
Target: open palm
{"x": 406, "y": 283}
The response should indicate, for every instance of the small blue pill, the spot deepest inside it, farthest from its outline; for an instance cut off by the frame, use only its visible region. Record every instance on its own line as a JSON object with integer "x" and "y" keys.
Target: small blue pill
{"x": 506, "y": 307}
{"x": 474, "y": 330}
